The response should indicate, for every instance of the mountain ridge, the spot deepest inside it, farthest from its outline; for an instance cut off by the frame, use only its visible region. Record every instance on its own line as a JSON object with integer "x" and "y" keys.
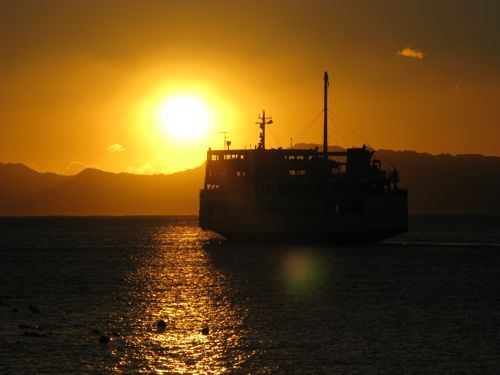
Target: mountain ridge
{"x": 437, "y": 184}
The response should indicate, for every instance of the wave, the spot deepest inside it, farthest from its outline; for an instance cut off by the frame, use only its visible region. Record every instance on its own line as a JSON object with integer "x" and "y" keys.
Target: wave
{"x": 442, "y": 243}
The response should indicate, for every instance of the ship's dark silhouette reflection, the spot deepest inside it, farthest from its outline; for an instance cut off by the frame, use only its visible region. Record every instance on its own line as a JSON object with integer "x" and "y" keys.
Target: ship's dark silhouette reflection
{"x": 283, "y": 290}
{"x": 290, "y": 271}
{"x": 345, "y": 308}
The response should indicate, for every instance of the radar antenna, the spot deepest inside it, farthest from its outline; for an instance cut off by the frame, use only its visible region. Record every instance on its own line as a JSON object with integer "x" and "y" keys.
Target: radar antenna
{"x": 227, "y": 142}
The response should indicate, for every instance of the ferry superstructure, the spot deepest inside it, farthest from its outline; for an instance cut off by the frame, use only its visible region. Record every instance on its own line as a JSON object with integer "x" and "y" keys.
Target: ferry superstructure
{"x": 301, "y": 194}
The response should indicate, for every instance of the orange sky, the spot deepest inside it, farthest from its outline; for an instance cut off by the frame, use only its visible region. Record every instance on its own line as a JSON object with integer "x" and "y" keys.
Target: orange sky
{"x": 78, "y": 77}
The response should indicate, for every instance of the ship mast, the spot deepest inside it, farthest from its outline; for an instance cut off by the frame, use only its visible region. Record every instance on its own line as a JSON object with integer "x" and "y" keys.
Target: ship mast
{"x": 262, "y": 124}
{"x": 325, "y": 117}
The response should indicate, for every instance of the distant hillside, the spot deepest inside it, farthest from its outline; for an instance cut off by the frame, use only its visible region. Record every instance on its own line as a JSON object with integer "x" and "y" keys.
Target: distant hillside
{"x": 447, "y": 184}
{"x": 437, "y": 184}
{"x": 94, "y": 192}
{"x": 444, "y": 184}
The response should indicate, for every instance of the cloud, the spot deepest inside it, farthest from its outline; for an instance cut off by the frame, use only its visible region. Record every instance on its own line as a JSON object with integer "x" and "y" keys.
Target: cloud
{"x": 42, "y": 168}
{"x": 410, "y": 52}
{"x": 115, "y": 147}
{"x": 154, "y": 166}
{"x": 75, "y": 167}
{"x": 146, "y": 168}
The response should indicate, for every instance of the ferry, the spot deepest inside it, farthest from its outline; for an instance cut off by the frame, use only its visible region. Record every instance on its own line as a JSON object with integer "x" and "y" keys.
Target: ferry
{"x": 301, "y": 194}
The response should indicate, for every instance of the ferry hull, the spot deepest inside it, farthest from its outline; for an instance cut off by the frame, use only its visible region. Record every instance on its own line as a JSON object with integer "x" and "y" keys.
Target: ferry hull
{"x": 309, "y": 228}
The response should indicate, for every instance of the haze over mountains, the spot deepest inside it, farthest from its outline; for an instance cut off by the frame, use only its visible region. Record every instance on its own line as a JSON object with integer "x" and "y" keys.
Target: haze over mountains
{"x": 95, "y": 192}
{"x": 438, "y": 184}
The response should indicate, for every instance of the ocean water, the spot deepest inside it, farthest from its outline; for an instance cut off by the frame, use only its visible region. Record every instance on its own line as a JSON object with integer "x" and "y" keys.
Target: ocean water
{"x": 425, "y": 302}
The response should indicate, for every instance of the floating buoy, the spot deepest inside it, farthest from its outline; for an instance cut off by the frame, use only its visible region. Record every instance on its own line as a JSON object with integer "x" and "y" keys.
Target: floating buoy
{"x": 26, "y": 326}
{"x": 104, "y": 340}
{"x": 205, "y": 331}
{"x": 161, "y": 324}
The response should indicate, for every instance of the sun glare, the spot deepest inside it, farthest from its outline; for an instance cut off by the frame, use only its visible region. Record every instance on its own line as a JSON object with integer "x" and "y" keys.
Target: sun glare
{"x": 178, "y": 121}
{"x": 185, "y": 117}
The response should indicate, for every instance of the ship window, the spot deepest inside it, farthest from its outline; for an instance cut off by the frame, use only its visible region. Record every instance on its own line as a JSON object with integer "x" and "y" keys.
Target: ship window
{"x": 292, "y": 172}
{"x": 219, "y": 173}
{"x": 301, "y": 172}
{"x": 297, "y": 172}
{"x": 300, "y": 157}
{"x": 241, "y": 173}
{"x": 215, "y": 157}
{"x": 213, "y": 186}
{"x": 233, "y": 156}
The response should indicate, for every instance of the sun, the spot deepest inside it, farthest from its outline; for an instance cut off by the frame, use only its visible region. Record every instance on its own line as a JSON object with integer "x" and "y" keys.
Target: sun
{"x": 185, "y": 117}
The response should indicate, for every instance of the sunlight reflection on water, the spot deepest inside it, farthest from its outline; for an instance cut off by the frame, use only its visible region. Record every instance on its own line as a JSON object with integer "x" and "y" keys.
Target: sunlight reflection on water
{"x": 178, "y": 285}
{"x": 267, "y": 308}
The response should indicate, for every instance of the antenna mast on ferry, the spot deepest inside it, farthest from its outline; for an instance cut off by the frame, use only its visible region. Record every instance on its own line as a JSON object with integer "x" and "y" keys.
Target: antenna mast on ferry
{"x": 262, "y": 123}
{"x": 325, "y": 117}
{"x": 227, "y": 142}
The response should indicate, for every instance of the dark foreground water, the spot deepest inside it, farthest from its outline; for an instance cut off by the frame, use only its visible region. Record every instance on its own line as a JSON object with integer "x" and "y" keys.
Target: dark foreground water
{"x": 425, "y": 302}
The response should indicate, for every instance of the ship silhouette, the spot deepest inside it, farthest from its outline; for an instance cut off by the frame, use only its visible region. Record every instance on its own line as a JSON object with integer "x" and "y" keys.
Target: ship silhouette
{"x": 301, "y": 194}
